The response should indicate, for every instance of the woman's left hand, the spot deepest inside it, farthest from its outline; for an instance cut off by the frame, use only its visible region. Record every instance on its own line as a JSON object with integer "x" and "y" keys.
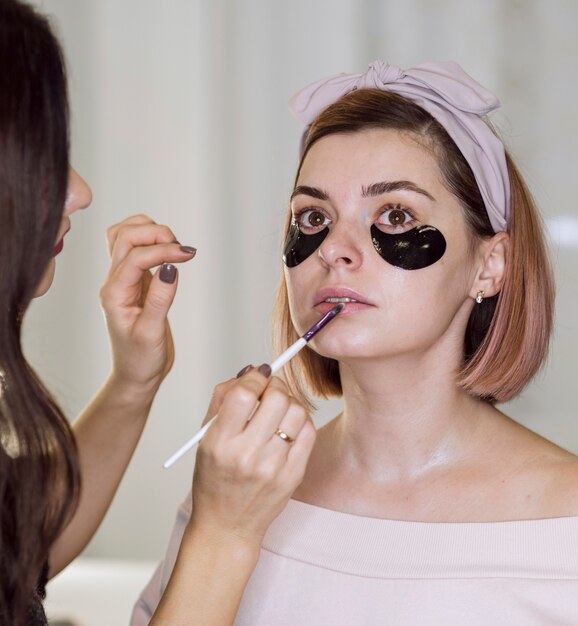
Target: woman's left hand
{"x": 136, "y": 302}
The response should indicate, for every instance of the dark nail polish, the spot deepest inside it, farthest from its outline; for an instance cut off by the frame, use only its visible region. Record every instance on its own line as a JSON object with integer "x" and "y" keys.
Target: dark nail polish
{"x": 246, "y": 369}
{"x": 176, "y": 241}
{"x": 168, "y": 273}
{"x": 189, "y": 250}
{"x": 265, "y": 370}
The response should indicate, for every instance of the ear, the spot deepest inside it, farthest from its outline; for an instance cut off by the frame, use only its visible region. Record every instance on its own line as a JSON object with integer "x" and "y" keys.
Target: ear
{"x": 492, "y": 269}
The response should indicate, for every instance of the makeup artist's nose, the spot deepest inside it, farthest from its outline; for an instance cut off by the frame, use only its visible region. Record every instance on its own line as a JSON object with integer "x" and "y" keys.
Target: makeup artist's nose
{"x": 341, "y": 247}
{"x": 78, "y": 193}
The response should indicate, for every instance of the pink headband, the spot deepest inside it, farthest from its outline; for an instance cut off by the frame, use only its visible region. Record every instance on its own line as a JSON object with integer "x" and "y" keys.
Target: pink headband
{"x": 452, "y": 97}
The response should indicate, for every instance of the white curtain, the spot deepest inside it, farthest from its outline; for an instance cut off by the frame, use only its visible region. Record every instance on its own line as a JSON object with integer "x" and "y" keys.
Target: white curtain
{"x": 179, "y": 111}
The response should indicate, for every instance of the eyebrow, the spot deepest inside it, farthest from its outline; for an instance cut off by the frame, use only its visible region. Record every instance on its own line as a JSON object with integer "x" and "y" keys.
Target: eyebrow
{"x": 309, "y": 191}
{"x": 376, "y": 189}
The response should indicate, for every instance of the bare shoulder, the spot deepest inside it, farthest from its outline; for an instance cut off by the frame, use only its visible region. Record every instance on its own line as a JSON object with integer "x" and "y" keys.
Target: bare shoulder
{"x": 537, "y": 478}
{"x": 561, "y": 498}
{"x": 552, "y": 475}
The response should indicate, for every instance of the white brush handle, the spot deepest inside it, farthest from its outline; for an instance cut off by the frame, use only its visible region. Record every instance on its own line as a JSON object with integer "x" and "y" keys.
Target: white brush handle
{"x": 190, "y": 443}
{"x": 291, "y": 351}
{"x": 277, "y": 364}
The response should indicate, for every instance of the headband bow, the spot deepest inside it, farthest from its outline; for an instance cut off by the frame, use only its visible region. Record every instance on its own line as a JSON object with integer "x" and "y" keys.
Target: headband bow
{"x": 452, "y": 97}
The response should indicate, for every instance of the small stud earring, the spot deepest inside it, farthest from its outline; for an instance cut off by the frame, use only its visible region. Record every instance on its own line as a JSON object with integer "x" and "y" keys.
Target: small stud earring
{"x": 480, "y": 297}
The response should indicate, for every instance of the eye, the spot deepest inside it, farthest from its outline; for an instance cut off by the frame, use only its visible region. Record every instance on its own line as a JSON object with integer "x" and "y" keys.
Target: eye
{"x": 396, "y": 219}
{"x": 311, "y": 221}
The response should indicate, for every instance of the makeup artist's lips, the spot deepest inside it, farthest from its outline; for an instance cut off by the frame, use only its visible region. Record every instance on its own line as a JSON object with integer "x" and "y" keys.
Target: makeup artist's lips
{"x": 327, "y": 298}
{"x": 59, "y": 245}
{"x": 58, "y": 248}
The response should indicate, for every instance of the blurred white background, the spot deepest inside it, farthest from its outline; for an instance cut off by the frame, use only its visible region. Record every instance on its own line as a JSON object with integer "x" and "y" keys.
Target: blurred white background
{"x": 179, "y": 111}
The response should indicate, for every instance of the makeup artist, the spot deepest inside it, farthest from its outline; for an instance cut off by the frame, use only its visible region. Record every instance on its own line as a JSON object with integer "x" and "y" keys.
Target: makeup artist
{"x": 421, "y": 503}
{"x": 57, "y": 481}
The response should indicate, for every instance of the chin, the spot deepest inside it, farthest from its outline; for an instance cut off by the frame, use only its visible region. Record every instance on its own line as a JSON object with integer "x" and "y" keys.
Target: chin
{"x": 46, "y": 281}
{"x": 342, "y": 348}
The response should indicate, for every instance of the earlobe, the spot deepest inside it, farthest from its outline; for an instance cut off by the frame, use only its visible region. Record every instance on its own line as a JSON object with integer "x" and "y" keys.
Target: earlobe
{"x": 490, "y": 278}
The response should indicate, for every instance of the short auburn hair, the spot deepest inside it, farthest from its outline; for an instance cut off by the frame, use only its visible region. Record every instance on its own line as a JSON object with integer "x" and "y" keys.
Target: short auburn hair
{"x": 507, "y": 335}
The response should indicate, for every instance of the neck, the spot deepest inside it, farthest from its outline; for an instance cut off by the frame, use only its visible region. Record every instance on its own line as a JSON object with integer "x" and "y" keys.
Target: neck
{"x": 401, "y": 420}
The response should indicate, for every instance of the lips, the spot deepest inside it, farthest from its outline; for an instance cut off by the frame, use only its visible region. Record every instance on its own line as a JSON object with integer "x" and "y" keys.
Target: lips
{"x": 58, "y": 247}
{"x": 326, "y": 298}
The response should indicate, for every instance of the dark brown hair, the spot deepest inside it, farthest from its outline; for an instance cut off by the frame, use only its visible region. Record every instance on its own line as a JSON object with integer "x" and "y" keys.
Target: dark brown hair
{"x": 507, "y": 336}
{"x": 39, "y": 476}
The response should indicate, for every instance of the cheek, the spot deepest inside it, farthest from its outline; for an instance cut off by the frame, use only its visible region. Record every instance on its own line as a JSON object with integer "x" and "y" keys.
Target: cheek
{"x": 433, "y": 300}
{"x": 299, "y": 290}
{"x": 428, "y": 298}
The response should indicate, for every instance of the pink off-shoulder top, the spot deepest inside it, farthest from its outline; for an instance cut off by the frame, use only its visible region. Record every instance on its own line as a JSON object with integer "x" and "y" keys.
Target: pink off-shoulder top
{"x": 320, "y": 567}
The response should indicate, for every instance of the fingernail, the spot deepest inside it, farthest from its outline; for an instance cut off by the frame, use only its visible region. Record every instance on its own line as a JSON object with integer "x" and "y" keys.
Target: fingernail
{"x": 265, "y": 370}
{"x": 176, "y": 241}
{"x": 168, "y": 273}
{"x": 246, "y": 369}
{"x": 189, "y": 250}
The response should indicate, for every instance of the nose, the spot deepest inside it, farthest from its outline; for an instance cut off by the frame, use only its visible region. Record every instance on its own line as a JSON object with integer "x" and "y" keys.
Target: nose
{"x": 78, "y": 194}
{"x": 343, "y": 246}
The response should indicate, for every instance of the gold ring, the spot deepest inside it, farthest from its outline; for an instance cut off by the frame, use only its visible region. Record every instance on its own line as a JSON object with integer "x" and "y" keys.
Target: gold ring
{"x": 284, "y": 436}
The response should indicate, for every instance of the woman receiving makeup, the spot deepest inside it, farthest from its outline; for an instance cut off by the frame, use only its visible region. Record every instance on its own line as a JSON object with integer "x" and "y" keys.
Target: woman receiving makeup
{"x": 57, "y": 481}
{"x": 421, "y": 502}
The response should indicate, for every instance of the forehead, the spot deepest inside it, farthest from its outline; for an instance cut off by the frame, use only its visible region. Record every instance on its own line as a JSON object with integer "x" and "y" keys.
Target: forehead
{"x": 343, "y": 160}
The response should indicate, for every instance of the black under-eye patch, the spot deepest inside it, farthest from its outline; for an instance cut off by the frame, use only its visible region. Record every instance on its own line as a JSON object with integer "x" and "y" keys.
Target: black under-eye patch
{"x": 299, "y": 246}
{"x": 412, "y": 250}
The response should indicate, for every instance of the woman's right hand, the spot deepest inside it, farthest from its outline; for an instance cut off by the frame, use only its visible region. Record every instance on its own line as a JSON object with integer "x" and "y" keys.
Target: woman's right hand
{"x": 245, "y": 473}
{"x": 244, "y": 476}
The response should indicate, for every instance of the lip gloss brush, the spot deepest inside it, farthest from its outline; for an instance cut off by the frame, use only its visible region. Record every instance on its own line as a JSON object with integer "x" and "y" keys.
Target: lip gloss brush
{"x": 277, "y": 364}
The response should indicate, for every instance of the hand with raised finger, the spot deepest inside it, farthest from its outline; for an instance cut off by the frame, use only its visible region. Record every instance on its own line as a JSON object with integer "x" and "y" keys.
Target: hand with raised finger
{"x": 245, "y": 471}
{"x": 136, "y": 302}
